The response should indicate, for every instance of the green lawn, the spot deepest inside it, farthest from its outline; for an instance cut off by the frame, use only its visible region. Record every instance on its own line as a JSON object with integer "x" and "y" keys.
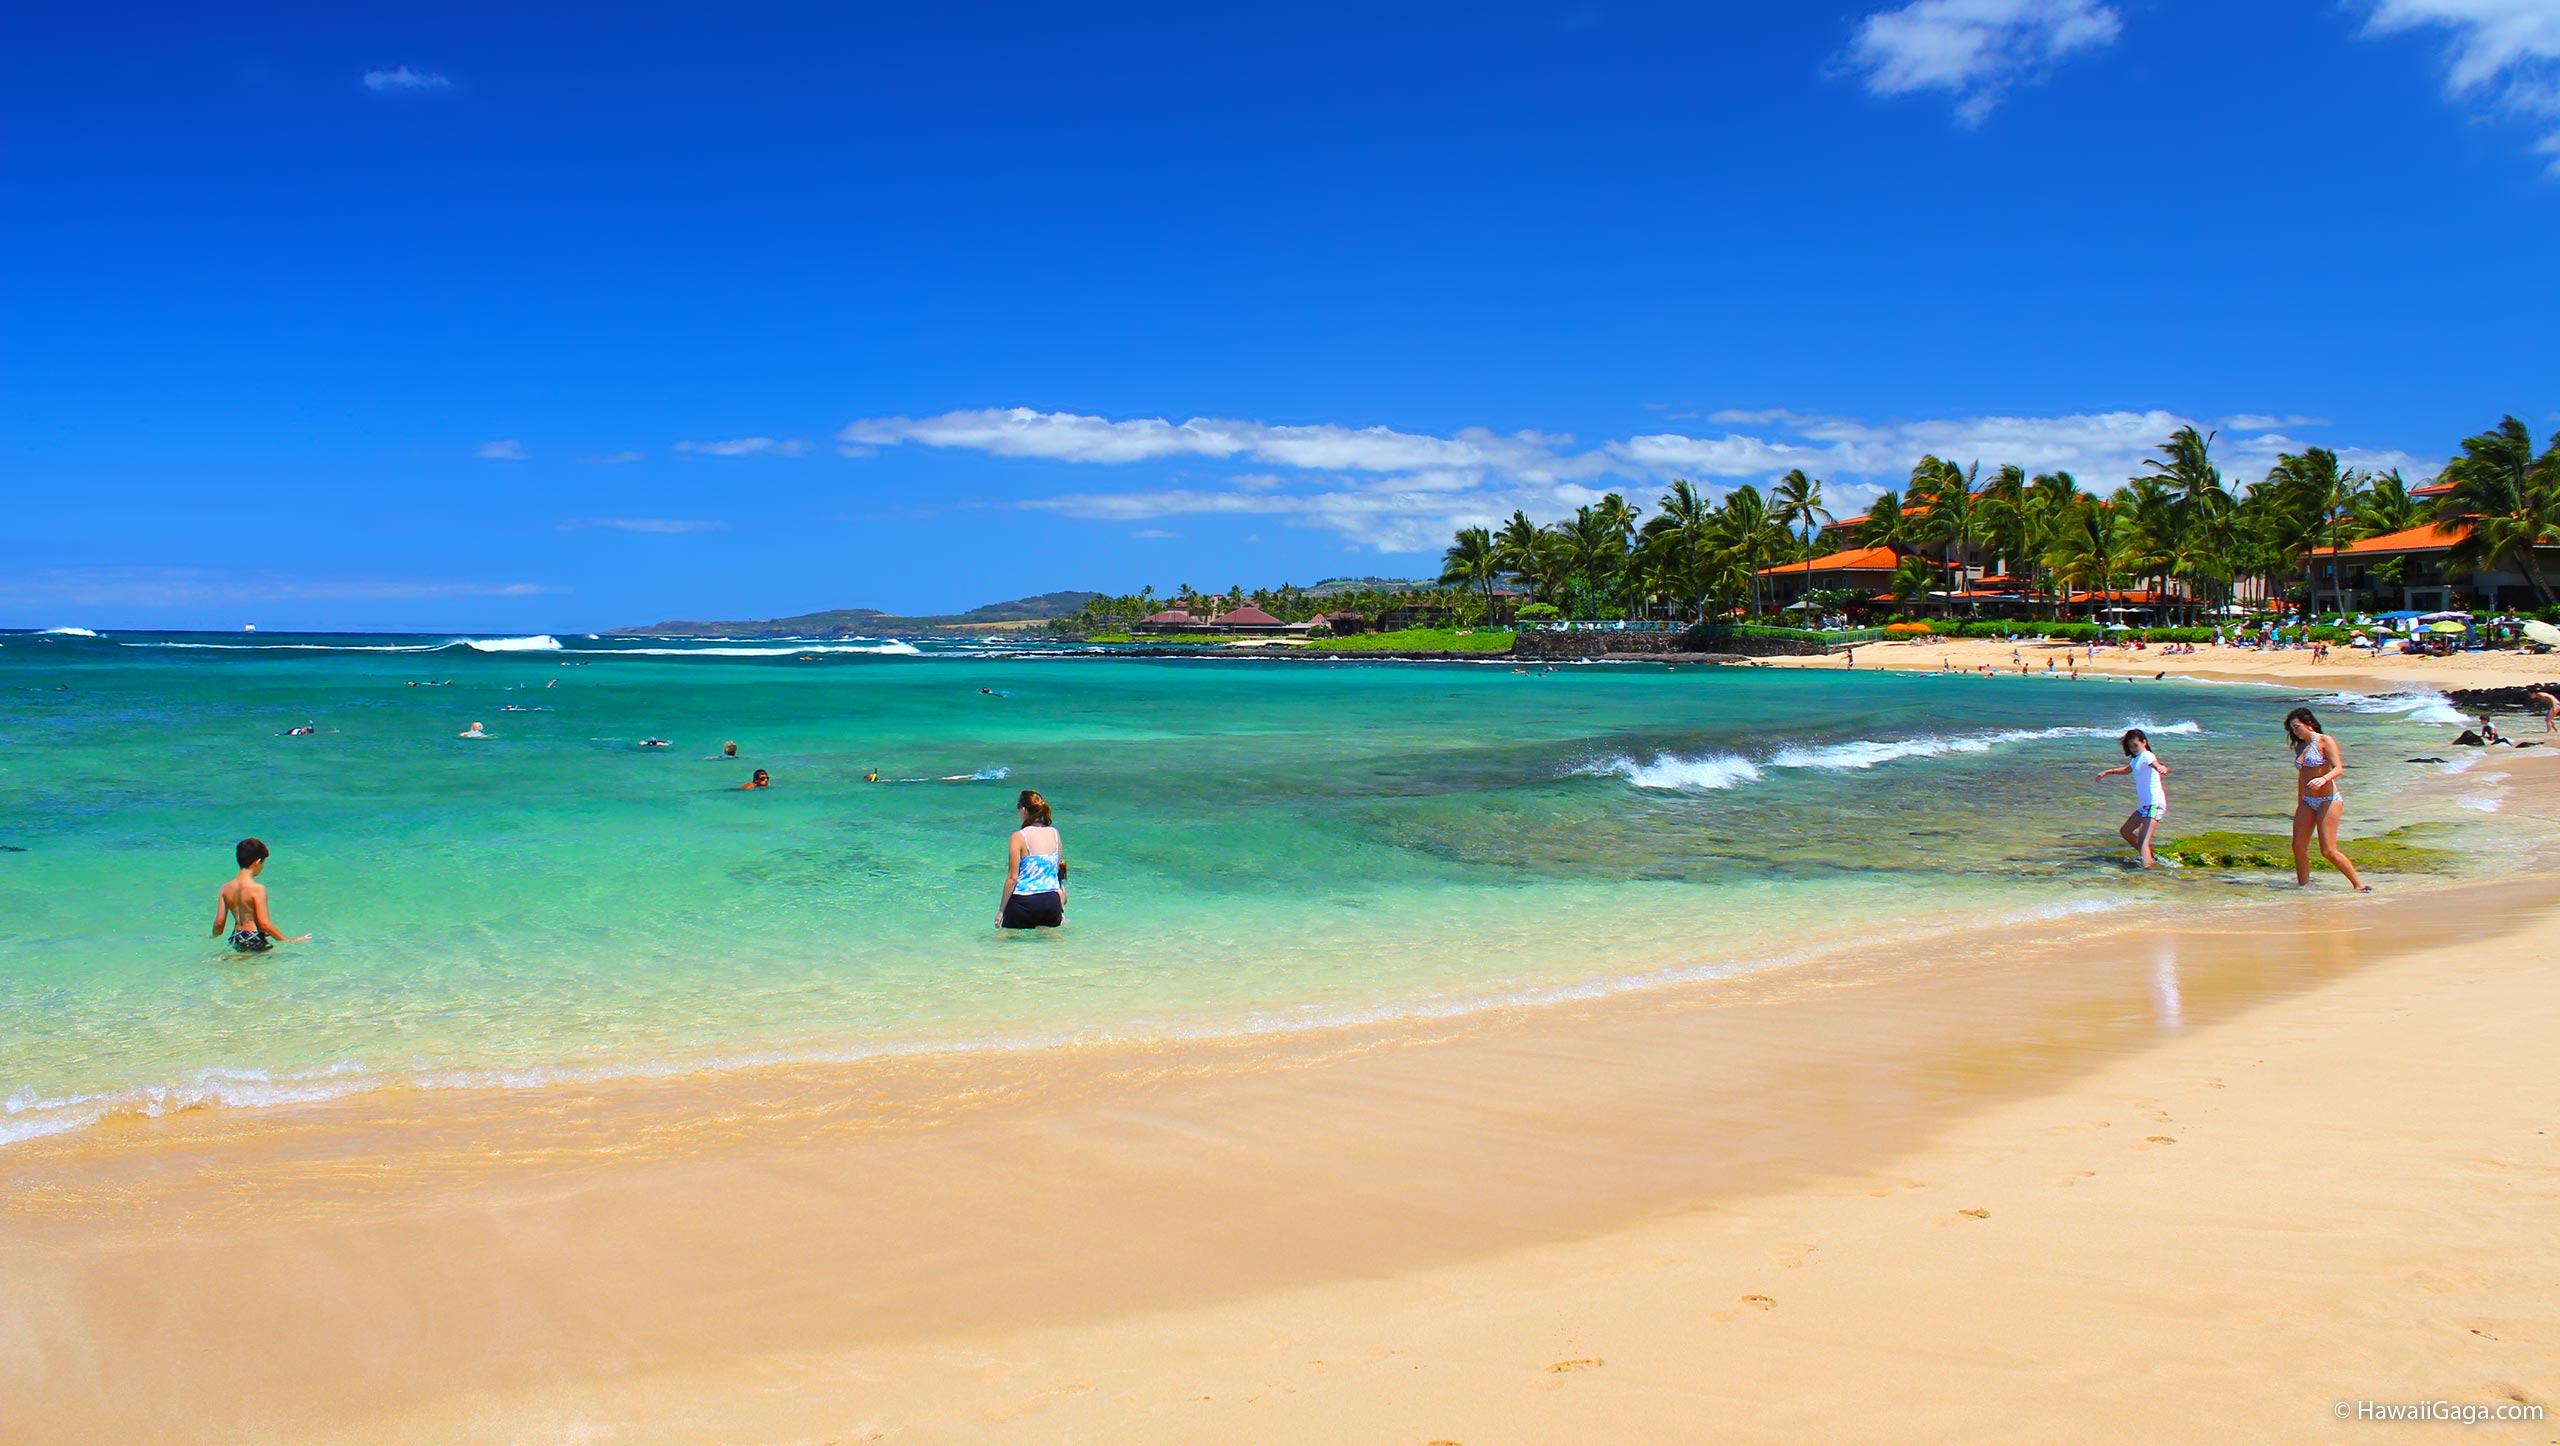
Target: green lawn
{"x": 1422, "y": 640}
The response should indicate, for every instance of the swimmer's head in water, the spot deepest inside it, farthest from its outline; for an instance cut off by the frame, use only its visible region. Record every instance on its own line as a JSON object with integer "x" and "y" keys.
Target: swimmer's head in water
{"x": 2309, "y": 721}
{"x": 250, "y": 852}
{"x": 730, "y": 750}
{"x": 2133, "y": 741}
{"x": 761, "y": 779}
{"x": 1035, "y": 809}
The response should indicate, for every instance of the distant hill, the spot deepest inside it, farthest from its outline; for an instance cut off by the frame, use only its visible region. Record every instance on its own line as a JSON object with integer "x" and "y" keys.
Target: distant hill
{"x": 872, "y": 622}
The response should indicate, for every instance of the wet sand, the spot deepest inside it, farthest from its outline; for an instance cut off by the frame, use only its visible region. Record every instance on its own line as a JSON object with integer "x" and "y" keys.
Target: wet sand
{"x": 2345, "y": 670}
{"x": 2081, "y": 1181}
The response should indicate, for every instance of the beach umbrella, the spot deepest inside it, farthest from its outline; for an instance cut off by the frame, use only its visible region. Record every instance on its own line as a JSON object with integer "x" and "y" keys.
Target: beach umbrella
{"x": 2447, "y": 627}
{"x": 2118, "y": 628}
{"x": 2543, "y": 633}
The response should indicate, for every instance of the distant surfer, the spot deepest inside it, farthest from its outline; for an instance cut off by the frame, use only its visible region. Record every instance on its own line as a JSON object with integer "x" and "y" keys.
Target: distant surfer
{"x": 305, "y": 731}
{"x": 871, "y": 777}
{"x": 653, "y": 743}
{"x": 242, "y": 905}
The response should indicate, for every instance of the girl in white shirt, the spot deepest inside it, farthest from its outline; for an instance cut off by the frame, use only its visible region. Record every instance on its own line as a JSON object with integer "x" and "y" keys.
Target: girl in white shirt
{"x": 2150, "y": 797}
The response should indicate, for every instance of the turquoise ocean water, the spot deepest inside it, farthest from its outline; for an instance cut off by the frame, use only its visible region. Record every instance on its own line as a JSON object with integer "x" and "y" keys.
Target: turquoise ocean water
{"x": 1253, "y": 845}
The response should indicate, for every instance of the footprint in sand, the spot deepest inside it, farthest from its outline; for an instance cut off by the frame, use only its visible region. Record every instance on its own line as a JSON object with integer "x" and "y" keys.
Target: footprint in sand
{"x": 1976, "y": 1214}
{"x": 2159, "y": 1140}
{"x": 1760, "y": 1302}
{"x": 1579, "y": 1363}
{"x": 2069, "y": 1178}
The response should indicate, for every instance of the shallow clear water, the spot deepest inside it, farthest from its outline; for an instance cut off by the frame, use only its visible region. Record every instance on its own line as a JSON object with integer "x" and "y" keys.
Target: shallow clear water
{"x": 1252, "y": 845}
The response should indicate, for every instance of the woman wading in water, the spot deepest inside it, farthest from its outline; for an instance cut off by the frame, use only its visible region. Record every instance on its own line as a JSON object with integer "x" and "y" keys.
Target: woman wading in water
{"x": 1035, "y": 870}
{"x": 2317, "y": 762}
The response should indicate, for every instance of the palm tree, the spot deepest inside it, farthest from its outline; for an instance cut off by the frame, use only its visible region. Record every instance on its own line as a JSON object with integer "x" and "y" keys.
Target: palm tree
{"x": 2185, "y": 465}
{"x": 1954, "y": 513}
{"x": 2050, "y": 501}
{"x": 1912, "y": 578}
{"x": 1516, "y": 548}
{"x": 1884, "y": 525}
{"x": 1749, "y": 533}
{"x": 1472, "y": 561}
{"x": 1683, "y": 526}
{"x": 2509, "y": 497}
{"x": 2318, "y": 497}
{"x": 2088, "y": 549}
{"x": 1797, "y": 501}
{"x": 2388, "y": 507}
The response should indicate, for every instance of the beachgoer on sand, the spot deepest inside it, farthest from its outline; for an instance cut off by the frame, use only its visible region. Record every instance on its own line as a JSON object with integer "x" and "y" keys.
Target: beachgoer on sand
{"x": 242, "y": 904}
{"x": 1035, "y": 870}
{"x": 2550, "y": 707}
{"x": 2318, "y": 763}
{"x": 2150, "y": 800}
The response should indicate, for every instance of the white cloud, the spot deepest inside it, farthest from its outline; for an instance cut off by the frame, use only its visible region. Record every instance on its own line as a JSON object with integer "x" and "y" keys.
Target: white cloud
{"x": 1068, "y": 437}
{"x": 745, "y": 447}
{"x": 610, "y": 459}
{"x": 1975, "y": 49}
{"x": 1405, "y": 492}
{"x": 509, "y": 450}
{"x": 155, "y": 587}
{"x": 404, "y": 81}
{"x": 647, "y": 524}
{"x": 2504, "y": 52}
{"x": 1154, "y": 534}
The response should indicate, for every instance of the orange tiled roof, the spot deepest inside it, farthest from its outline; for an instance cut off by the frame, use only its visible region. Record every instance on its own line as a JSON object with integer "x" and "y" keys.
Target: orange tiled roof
{"x": 2426, "y": 537}
{"x": 1857, "y": 559}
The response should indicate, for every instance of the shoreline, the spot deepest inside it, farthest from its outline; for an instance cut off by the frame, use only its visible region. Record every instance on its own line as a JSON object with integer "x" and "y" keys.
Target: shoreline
{"x": 2346, "y": 670}
{"x": 654, "y": 1255}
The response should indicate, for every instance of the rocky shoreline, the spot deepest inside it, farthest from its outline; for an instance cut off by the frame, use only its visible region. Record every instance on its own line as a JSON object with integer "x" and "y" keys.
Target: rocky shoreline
{"x": 2501, "y": 700}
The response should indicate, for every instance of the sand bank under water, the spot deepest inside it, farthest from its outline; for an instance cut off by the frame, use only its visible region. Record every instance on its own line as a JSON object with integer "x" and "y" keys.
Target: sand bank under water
{"x": 2064, "y": 1183}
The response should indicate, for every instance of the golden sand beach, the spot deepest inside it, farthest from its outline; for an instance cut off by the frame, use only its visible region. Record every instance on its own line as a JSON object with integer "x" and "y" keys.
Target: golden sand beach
{"x": 2344, "y": 668}
{"x": 2077, "y": 1182}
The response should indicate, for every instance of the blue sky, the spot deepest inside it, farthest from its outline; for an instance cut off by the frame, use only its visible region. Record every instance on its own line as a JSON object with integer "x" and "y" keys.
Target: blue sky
{"x": 527, "y": 318}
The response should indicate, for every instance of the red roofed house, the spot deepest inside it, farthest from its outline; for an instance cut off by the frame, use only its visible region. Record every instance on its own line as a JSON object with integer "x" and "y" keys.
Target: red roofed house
{"x": 1246, "y": 619}
{"x": 1869, "y": 569}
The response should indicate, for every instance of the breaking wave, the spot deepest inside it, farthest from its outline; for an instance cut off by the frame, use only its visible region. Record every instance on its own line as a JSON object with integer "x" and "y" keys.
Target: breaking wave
{"x": 538, "y": 643}
{"x": 1714, "y": 771}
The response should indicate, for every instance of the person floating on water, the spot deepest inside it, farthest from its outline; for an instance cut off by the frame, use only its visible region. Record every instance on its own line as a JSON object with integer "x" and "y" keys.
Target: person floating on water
{"x": 1035, "y": 870}
{"x": 871, "y": 777}
{"x": 474, "y": 731}
{"x": 728, "y": 750}
{"x": 2318, "y": 762}
{"x": 305, "y": 731}
{"x": 761, "y": 780}
{"x": 2150, "y": 800}
{"x": 242, "y": 904}
{"x": 653, "y": 742}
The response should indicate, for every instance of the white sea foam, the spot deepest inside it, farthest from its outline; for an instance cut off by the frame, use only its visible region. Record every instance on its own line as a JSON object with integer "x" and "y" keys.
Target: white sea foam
{"x": 891, "y": 647}
{"x": 2414, "y": 707}
{"x": 2481, "y": 802}
{"x": 538, "y": 643}
{"x": 1867, "y": 753}
{"x": 64, "y": 633}
{"x": 1671, "y": 771}
{"x": 302, "y": 647}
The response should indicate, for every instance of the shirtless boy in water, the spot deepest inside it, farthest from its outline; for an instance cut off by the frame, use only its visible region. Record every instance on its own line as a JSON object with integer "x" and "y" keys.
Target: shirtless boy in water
{"x": 243, "y": 904}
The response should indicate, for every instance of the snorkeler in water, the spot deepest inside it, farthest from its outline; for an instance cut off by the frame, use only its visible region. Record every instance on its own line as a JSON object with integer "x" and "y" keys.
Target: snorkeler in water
{"x": 761, "y": 780}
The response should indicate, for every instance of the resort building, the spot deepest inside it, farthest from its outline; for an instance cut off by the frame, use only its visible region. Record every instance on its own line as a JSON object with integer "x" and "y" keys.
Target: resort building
{"x": 2412, "y": 568}
{"x": 1248, "y": 620}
